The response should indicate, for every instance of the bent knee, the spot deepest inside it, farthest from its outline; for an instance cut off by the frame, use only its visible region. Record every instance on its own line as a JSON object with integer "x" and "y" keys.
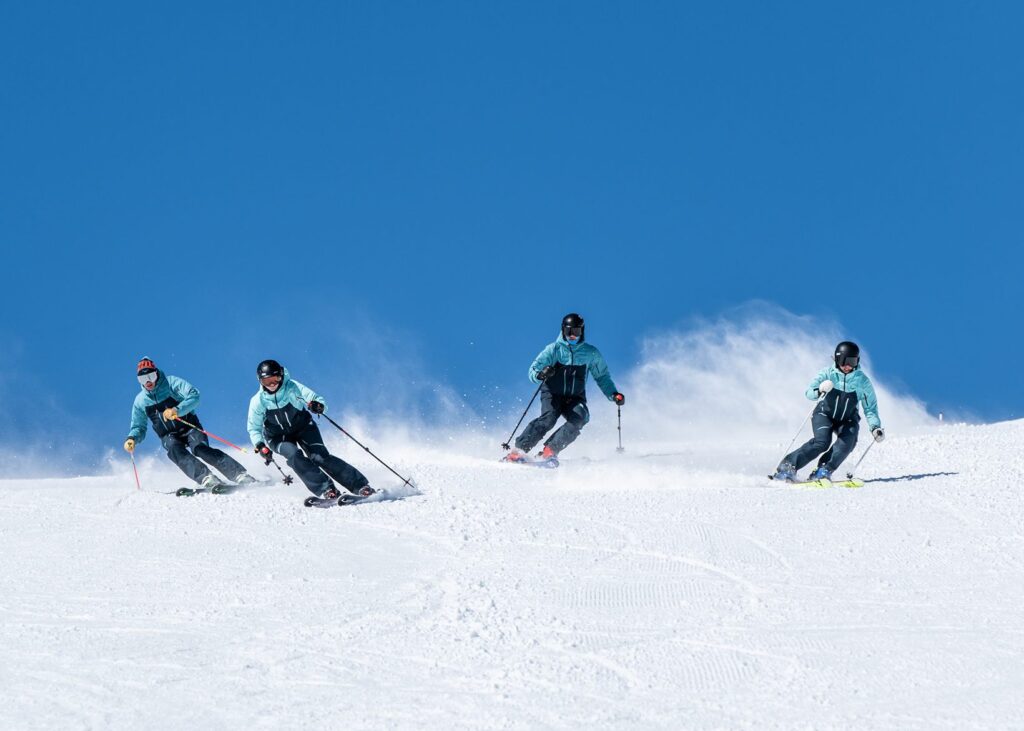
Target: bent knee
{"x": 581, "y": 415}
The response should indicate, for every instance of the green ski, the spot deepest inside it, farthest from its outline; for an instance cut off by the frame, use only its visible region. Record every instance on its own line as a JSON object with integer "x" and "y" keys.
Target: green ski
{"x": 824, "y": 484}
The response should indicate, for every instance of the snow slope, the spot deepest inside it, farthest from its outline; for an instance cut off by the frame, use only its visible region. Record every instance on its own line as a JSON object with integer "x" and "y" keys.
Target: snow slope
{"x": 670, "y": 588}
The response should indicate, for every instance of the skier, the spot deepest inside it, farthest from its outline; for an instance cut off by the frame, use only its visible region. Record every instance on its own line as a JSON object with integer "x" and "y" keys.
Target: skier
{"x": 842, "y": 387}
{"x": 169, "y": 402}
{"x": 280, "y": 421}
{"x": 561, "y": 369}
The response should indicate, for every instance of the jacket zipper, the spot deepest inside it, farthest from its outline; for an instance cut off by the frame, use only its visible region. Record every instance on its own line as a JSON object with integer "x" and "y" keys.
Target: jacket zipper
{"x": 572, "y": 361}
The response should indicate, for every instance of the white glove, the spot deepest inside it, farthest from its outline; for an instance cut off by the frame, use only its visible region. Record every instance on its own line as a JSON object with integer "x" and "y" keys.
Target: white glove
{"x": 878, "y": 433}
{"x": 824, "y": 387}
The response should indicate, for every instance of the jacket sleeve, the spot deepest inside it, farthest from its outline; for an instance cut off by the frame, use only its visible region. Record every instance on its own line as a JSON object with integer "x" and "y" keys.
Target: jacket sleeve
{"x": 545, "y": 358}
{"x": 598, "y": 368}
{"x": 307, "y": 395}
{"x": 187, "y": 394}
{"x": 137, "y": 430}
{"x": 255, "y": 425}
{"x": 812, "y": 390}
{"x": 869, "y": 402}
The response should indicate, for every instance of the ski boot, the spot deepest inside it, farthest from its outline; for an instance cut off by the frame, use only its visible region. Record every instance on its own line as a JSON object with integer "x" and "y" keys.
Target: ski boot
{"x": 785, "y": 473}
{"x": 215, "y": 485}
{"x": 331, "y": 493}
{"x": 245, "y": 479}
{"x": 353, "y": 497}
{"x": 515, "y": 456}
{"x": 822, "y": 473}
{"x": 548, "y": 457}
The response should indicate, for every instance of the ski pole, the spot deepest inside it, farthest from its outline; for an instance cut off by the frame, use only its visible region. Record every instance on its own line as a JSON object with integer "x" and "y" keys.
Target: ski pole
{"x": 849, "y": 475}
{"x": 138, "y": 484}
{"x": 339, "y": 427}
{"x": 620, "y": 448}
{"x": 212, "y": 436}
{"x": 506, "y": 444}
{"x": 286, "y": 478}
{"x": 802, "y": 425}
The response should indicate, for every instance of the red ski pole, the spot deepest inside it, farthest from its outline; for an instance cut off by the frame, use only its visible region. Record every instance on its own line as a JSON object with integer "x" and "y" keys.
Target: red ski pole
{"x": 213, "y": 436}
{"x": 138, "y": 484}
{"x": 287, "y": 478}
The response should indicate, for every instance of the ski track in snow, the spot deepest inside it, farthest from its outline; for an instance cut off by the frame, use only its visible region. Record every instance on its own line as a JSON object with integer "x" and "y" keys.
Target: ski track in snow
{"x": 628, "y": 592}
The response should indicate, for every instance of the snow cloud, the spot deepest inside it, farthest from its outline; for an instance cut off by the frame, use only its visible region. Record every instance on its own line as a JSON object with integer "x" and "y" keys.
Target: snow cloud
{"x": 741, "y": 379}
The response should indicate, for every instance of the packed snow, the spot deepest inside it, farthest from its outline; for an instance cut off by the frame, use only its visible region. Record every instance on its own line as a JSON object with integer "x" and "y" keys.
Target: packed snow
{"x": 630, "y": 591}
{"x": 670, "y": 586}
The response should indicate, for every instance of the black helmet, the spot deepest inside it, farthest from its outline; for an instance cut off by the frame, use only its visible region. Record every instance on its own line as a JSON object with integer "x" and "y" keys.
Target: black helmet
{"x": 847, "y": 353}
{"x": 572, "y": 324}
{"x": 269, "y": 368}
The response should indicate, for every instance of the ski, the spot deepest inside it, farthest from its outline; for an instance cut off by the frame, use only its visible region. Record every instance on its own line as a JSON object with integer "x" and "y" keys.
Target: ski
{"x": 223, "y": 489}
{"x": 320, "y": 502}
{"x": 825, "y": 484}
{"x": 347, "y": 498}
{"x": 549, "y": 464}
{"x": 218, "y": 490}
{"x": 822, "y": 484}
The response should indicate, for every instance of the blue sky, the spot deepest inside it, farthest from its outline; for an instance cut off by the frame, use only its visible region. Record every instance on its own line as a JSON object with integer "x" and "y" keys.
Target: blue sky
{"x": 433, "y": 185}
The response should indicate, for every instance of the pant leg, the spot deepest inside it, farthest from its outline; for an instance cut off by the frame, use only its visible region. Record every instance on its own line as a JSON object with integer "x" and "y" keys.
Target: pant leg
{"x": 314, "y": 480}
{"x": 576, "y": 416}
{"x": 345, "y": 474}
{"x": 536, "y": 429}
{"x": 177, "y": 450}
{"x": 846, "y": 440}
{"x": 822, "y": 426}
{"x": 214, "y": 457}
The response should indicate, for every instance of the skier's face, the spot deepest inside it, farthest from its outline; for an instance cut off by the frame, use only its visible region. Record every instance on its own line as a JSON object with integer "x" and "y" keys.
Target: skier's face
{"x": 148, "y": 380}
{"x": 846, "y": 368}
{"x": 271, "y": 383}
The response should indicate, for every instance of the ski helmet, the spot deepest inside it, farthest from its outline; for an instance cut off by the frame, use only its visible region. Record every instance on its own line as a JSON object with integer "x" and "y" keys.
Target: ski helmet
{"x": 269, "y": 368}
{"x": 572, "y": 324}
{"x": 144, "y": 366}
{"x": 847, "y": 353}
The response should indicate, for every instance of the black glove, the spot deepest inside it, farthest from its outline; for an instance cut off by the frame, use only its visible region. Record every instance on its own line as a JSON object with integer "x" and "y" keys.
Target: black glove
{"x": 547, "y": 371}
{"x": 618, "y": 398}
{"x": 264, "y": 451}
{"x": 316, "y": 407}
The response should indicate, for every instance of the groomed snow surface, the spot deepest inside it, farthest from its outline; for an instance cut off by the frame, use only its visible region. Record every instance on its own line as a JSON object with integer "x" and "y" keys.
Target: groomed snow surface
{"x": 661, "y": 588}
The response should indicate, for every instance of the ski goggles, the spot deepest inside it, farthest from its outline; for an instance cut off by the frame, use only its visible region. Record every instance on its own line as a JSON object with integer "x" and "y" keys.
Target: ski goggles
{"x": 271, "y": 379}
{"x": 572, "y": 332}
{"x": 848, "y": 360}
{"x": 150, "y": 377}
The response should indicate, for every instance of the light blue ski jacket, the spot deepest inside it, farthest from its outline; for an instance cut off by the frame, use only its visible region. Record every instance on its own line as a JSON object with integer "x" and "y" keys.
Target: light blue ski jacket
{"x": 289, "y": 394}
{"x": 847, "y": 391}
{"x": 169, "y": 391}
{"x": 578, "y": 361}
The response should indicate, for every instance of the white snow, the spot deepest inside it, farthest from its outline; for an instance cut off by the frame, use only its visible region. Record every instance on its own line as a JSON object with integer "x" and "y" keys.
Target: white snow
{"x": 669, "y": 587}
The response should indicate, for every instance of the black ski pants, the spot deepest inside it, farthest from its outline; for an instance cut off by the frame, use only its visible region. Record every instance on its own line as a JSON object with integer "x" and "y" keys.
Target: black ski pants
{"x": 832, "y": 455}
{"x": 307, "y": 455}
{"x": 178, "y": 444}
{"x": 573, "y": 408}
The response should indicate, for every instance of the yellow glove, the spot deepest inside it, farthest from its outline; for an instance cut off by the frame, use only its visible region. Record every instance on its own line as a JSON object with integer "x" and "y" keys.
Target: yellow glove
{"x": 129, "y": 445}
{"x": 170, "y": 414}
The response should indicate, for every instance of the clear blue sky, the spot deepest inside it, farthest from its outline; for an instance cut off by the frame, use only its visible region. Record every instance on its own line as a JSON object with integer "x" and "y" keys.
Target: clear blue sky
{"x": 211, "y": 184}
